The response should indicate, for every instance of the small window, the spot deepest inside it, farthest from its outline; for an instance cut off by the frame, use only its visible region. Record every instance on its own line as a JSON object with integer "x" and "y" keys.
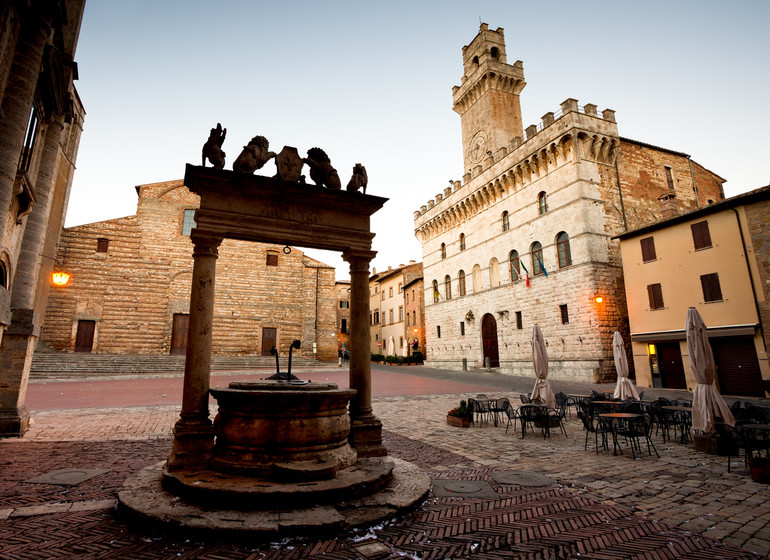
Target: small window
{"x": 461, "y": 282}
{"x": 390, "y": 317}
{"x": 188, "y": 222}
{"x": 400, "y": 313}
{"x": 414, "y": 317}
{"x": 448, "y": 287}
{"x": 3, "y": 275}
{"x": 344, "y": 305}
{"x": 399, "y": 287}
{"x": 390, "y": 292}
{"x": 655, "y": 293}
{"x": 443, "y": 250}
{"x": 376, "y": 288}
{"x": 438, "y": 331}
{"x": 537, "y": 259}
{"x": 435, "y": 291}
{"x": 519, "y": 322}
{"x": 400, "y": 341}
{"x": 506, "y": 221}
{"x": 344, "y": 326}
{"x": 542, "y": 202}
{"x": 701, "y": 237}
{"x": 272, "y": 258}
{"x": 407, "y": 319}
{"x": 376, "y": 336}
{"x": 462, "y": 242}
{"x": 669, "y": 177}
{"x": 371, "y": 320}
{"x": 102, "y": 245}
{"x": 514, "y": 268}
{"x": 25, "y": 158}
{"x": 712, "y": 291}
{"x": 564, "y": 314}
{"x": 413, "y": 294}
{"x": 648, "y": 249}
{"x": 376, "y": 317}
{"x": 562, "y": 248}
{"x": 462, "y": 328}
{"x": 383, "y": 295}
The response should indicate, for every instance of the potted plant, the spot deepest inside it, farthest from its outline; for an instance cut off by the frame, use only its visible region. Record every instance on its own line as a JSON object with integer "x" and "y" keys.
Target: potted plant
{"x": 459, "y": 416}
{"x": 759, "y": 467}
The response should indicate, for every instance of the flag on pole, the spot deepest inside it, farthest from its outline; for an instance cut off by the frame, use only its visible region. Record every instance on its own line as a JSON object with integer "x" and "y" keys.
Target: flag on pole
{"x": 542, "y": 266}
{"x": 521, "y": 263}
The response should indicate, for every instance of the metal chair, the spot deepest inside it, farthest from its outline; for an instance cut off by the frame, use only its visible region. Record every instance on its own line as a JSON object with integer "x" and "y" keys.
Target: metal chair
{"x": 592, "y": 424}
{"x": 638, "y": 429}
{"x": 533, "y": 416}
{"x": 511, "y": 414}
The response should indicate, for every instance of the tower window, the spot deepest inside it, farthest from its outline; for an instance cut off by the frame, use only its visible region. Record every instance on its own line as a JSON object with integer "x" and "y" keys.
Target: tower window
{"x": 669, "y": 177}
{"x": 448, "y": 287}
{"x": 495, "y": 52}
{"x": 564, "y": 314}
{"x": 542, "y": 202}
{"x": 462, "y": 328}
{"x": 537, "y": 258}
{"x": 272, "y": 258}
{"x": 506, "y": 221}
{"x": 443, "y": 250}
{"x": 461, "y": 282}
{"x": 462, "y": 242}
{"x": 513, "y": 265}
{"x": 519, "y": 322}
{"x": 562, "y": 247}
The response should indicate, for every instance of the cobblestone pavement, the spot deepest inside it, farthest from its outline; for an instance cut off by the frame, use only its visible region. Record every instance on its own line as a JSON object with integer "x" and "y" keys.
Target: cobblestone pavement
{"x": 682, "y": 505}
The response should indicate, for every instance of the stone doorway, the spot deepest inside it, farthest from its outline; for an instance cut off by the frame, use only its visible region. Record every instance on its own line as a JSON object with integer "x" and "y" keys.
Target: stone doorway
{"x": 179, "y": 329}
{"x": 269, "y": 339}
{"x": 489, "y": 340}
{"x": 84, "y": 339}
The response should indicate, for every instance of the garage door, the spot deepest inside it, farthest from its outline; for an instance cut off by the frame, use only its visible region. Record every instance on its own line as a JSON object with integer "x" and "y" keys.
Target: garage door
{"x": 737, "y": 366}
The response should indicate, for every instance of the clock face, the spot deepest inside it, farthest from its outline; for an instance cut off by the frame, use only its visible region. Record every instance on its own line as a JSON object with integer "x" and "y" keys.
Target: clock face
{"x": 478, "y": 147}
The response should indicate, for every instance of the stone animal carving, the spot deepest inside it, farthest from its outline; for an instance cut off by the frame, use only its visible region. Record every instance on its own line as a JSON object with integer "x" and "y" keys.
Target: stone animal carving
{"x": 212, "y": 149}
{"x": 289, "y": 165}
{"x": 359, "y": 179}
{"x": 253, "y": 156}
{"x": 321, "y": 171}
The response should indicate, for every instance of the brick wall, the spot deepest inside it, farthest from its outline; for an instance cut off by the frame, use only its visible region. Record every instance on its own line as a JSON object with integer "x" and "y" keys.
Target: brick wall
{"x": 758, "y": 217}
{"x": 134, "y": 289}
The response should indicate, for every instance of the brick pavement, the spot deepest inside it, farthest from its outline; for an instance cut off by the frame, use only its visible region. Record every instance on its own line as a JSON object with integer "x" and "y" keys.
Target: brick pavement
{"x": 603, "y": 507}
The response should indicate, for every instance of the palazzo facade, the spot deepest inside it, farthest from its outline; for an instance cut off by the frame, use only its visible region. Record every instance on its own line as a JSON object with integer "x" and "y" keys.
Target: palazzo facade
{"x": 526, "y": 237}
{"x": 41, "y": 119}
{"x": 131, "y": 279}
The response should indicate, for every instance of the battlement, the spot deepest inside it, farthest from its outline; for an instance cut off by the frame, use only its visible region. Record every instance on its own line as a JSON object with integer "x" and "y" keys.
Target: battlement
{"x": 537, "y": 137}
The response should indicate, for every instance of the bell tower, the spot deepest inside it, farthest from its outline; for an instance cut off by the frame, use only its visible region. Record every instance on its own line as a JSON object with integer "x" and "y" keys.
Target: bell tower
{"x": 488, "y": 99}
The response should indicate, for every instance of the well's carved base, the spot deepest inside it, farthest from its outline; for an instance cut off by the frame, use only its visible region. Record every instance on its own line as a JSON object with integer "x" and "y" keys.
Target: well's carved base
{"x": 14, "y": 422}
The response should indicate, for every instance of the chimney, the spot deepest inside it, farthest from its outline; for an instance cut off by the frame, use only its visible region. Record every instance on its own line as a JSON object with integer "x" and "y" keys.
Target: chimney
{"x": 374, "y": 271}
{"x": 667, "y": 205}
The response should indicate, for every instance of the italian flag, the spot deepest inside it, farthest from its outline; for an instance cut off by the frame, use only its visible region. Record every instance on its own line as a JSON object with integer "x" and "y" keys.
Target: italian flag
{"x": 521, "y": 263}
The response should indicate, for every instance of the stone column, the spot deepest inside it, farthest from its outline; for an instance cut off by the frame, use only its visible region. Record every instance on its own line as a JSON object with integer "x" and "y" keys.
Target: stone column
{"x": 365, "y": 429}
{"x": 193, "y": 432}
{"x": 17, "y": 100}
{"x": 18, "y": 342}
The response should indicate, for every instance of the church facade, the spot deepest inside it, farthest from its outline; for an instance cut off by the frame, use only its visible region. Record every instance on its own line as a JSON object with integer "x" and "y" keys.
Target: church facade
{"x": 131, "y": 279}
{"x": 526, "y": 237}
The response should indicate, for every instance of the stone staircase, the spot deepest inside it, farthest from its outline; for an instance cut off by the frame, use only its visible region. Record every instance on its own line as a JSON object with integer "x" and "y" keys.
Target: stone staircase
{"x": 77, "y": 365}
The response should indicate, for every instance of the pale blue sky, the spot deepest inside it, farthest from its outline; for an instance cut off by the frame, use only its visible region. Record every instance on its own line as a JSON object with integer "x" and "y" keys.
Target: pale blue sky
{"x": 371, "y": 82}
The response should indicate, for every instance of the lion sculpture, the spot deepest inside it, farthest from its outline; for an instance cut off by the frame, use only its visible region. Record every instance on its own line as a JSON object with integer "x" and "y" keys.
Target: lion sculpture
{"x": 253, "y": 156}
{"x": 321, "y": 171}
{"x": 212, "y": 149}
{"x": 359, "y": 179}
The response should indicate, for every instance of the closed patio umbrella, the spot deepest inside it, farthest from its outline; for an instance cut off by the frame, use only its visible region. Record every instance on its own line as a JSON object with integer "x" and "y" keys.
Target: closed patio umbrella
{"x": 542, "y": 389}
{"x": 405, "y": 351}
{"x": 624, "y": 388}
{"x": 707, "y": 403}
{"x": 391, "y": 347}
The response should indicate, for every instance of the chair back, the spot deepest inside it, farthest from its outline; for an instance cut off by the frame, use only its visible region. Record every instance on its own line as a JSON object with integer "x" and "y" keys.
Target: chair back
{"x": 525, "y": 399}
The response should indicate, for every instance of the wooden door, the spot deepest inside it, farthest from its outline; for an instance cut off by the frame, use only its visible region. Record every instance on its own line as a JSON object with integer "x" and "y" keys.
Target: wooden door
{"x": 179, "y": 329}
{"x": 671, "y": 367}
{"x": 738, "y": 366}
{"x": 489, "y": 340}
{"x": 268, "y": 340}
{"x": 84, "y": 339}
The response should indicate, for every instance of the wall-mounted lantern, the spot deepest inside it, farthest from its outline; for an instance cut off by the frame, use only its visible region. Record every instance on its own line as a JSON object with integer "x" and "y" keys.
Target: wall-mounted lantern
{"x": 60, "y": 278}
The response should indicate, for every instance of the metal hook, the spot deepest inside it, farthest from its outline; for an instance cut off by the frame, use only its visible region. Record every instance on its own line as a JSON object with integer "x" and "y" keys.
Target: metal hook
{"x": 287, "y": 250}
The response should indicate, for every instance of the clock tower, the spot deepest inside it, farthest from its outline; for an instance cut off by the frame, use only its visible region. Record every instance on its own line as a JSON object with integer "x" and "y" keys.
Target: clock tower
{"x": 488, "y": 99}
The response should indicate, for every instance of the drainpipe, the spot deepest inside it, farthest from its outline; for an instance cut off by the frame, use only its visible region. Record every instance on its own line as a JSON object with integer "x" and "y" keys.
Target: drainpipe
{"x": 751, "y": 277}
{"x": 694, "y": 186}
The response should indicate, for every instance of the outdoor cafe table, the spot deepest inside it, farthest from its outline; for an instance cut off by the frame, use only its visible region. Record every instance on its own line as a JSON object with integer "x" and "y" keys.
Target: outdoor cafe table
{"x": 542, "y": 416}
{"x": 616, "y": 418}
{"x": 684, "y": 414}
{"x": 488, "y": 403}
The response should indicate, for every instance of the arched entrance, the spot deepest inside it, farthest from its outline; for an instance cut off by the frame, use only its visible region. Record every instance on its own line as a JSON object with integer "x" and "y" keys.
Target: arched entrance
{"x": 489, "y": 340}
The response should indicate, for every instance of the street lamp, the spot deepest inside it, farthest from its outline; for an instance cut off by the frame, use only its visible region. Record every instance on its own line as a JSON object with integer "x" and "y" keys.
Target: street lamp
{"x": 60, "y": 278}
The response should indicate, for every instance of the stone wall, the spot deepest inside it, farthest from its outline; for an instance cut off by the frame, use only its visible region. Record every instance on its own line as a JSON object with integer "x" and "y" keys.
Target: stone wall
{"x": 758, "y": 218}
{"x": 134, "y": 289}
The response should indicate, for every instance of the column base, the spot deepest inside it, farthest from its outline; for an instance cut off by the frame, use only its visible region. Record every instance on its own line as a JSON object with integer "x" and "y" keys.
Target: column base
{"x": 366, "y": 436}
{"x": 193, "y": 445}
{"x": 14, "y": 422}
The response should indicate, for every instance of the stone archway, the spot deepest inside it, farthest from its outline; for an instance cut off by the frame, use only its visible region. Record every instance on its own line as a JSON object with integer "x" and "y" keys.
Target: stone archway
{"x": 489, "y": 340}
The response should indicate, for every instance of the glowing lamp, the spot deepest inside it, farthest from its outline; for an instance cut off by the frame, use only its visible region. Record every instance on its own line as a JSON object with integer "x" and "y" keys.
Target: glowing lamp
{"x": 60, "y": 278}
{"x": 598, "y": 298}
{"x": 651, "y": 349}
{"x": 415, "y": 330}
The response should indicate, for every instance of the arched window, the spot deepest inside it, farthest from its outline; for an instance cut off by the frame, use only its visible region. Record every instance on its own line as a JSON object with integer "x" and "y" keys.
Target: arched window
{"x": 448, "y": 287}
{"x": 513, "y": 265}
{"x": 537, "y": 258}
{"x": 435, "y": 291}
{"x": 506, "y": 221}
{"x": 443, "y": 250}
{"x": 562, "y": 246}
{"x": 462, "y": 242}
{"x": 461, "y": 282}
{"x": 494, "y": 273}
{"x": 542, "y": 202}
{"x": 3, "y": 275}
{"x": 414, "y": 317}
{"x": 476, "y": 278}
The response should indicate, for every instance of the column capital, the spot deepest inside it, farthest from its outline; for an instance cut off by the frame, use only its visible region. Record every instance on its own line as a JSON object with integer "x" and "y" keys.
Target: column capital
{"x": 205, "y": 244}
{"x": 358, "y": 260}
